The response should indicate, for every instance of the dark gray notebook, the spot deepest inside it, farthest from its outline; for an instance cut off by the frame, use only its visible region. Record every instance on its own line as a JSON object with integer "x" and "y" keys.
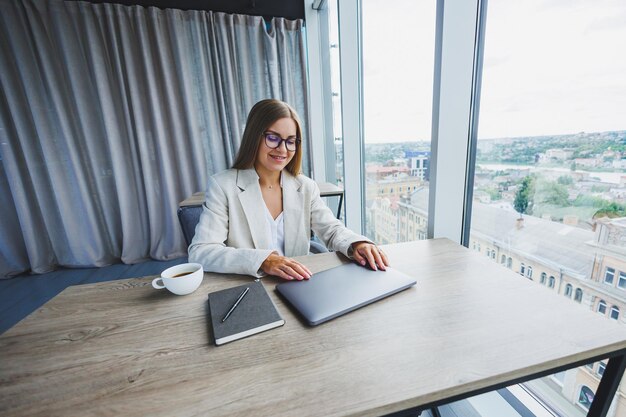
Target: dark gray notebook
{"x": 337, "y": 291}
{"x": 255, "y": 313}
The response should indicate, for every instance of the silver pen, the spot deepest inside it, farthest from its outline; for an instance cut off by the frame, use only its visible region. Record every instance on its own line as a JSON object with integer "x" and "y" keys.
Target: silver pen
{"x": 243, "y": 294}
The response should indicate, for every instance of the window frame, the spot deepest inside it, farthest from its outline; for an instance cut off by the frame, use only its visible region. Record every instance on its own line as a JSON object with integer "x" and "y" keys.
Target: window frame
{"x": 607, "y": 274}
{"x": 569, "y": 289}
{"x": 621, "y": 277}
{"x": 351, "y": 73}
{"x": 580, "y": 392}
{"x": 576, "y": 295}
{"x": 459, "y": 40}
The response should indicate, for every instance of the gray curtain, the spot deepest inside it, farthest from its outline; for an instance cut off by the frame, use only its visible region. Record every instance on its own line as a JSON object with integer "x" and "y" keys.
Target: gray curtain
{"x": 110, "y": 115}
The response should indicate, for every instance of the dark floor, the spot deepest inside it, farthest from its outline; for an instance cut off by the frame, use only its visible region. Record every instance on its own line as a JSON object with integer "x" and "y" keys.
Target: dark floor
{"x": 22, "y": 295}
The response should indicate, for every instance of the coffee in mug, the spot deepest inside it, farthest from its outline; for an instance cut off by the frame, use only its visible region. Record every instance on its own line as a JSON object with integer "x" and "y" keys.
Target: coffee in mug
{"x": 180, "y": 279}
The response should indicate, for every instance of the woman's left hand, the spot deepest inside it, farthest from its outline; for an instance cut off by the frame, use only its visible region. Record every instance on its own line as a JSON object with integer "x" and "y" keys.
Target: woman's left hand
{"x": 367, "y": 253}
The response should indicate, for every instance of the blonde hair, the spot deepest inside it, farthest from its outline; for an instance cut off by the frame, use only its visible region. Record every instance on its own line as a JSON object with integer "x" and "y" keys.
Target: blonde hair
{"x": 262, "y": 115}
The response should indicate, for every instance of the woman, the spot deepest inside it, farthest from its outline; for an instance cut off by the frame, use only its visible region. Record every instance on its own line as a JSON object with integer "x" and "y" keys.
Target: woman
{"x": 260, "y": 213}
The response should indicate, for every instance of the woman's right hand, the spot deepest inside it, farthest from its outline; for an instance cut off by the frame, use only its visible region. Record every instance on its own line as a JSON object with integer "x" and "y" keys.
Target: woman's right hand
{"x": 285, "y": 268}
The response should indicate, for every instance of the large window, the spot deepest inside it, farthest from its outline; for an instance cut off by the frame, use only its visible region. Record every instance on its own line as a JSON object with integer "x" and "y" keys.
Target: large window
{"x": 551, "y": 153}
{"x": 398, "y": 53}
{"x": 551, "y": 148}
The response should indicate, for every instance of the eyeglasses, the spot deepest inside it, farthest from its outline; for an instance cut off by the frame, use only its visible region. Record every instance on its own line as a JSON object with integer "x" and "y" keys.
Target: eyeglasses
{"x": 273, "y": 141}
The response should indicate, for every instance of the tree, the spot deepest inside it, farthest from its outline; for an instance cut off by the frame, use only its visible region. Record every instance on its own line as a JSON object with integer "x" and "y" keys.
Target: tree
{"x": 551, "y": 192}
{"x": 523, "y": 197}
{"x": 611, "y": 210}
{"x": 565, "y": 180}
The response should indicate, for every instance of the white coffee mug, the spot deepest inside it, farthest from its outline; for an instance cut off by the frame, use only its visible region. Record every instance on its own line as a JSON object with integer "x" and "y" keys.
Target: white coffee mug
{"x": 180, "y": 279}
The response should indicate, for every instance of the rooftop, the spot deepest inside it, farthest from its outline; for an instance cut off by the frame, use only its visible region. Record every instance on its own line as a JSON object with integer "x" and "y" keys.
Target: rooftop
{"x": 553, "y": 244}
{"x": 382, "y": 170}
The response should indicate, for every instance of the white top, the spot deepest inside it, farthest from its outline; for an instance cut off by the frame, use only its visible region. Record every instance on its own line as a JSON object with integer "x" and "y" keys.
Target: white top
{"x": 276, "y": 231}
{"x": 276, "y": 228}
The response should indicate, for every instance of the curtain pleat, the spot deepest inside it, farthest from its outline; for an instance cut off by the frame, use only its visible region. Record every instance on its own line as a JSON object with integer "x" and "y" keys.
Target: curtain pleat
{"x": 110, "y": 115}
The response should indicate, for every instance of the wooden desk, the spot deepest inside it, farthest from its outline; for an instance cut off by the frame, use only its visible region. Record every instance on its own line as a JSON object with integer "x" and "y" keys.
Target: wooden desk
{"x": 470, "y": 325}
{"x": 326, "y": 190}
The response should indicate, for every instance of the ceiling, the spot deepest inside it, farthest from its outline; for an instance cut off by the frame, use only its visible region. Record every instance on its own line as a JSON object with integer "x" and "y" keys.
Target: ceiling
{"x": 289, "y": 9}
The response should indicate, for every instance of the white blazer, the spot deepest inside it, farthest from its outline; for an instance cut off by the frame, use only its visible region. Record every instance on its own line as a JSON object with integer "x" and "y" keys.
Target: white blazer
{"x": 231, "y": 235}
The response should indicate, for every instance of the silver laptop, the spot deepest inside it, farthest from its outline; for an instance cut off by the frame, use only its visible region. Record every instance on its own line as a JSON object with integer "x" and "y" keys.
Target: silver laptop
{"x": 339, "y": 290}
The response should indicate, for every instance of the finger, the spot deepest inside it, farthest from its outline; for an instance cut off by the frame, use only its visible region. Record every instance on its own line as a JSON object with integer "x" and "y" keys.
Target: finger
{"x": 370, "y": 258}
{"x": 385, "y": 259}
{"x": 358, "y": 257}
{"x": 300, "y": 269}
{"x": 379, "y": 259}
{"x": 282, "y": 274}
{"x": 277, "y": 270}
{"x": 292, "y": 272}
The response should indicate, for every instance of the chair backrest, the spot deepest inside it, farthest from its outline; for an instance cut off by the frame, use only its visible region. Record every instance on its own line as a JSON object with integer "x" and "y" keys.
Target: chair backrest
{"x": 189, "y": 216}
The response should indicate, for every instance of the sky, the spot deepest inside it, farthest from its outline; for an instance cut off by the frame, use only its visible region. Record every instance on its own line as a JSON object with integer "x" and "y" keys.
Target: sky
{"x": 550, "y": 67}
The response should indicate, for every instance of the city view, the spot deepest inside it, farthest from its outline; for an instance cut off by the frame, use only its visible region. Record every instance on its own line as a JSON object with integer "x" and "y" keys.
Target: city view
{"x": 549, "y": 186}
{"x": 550, "y": 208}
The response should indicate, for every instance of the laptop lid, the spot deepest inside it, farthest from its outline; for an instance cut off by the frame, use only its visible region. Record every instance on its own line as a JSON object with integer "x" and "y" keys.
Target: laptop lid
{"x": 337, "y": 291}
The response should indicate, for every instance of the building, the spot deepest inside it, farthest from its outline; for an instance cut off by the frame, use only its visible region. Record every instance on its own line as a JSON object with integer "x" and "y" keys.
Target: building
{"x": 413, "y": 215}
{"x": 419, "y": 162}
{"x": 559, "y": 154}
{"x": 587, "y": 162}
{"x": 399, "y": 219}
{"x": 379, "y": 172}
{"x": 392, "y": 186}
